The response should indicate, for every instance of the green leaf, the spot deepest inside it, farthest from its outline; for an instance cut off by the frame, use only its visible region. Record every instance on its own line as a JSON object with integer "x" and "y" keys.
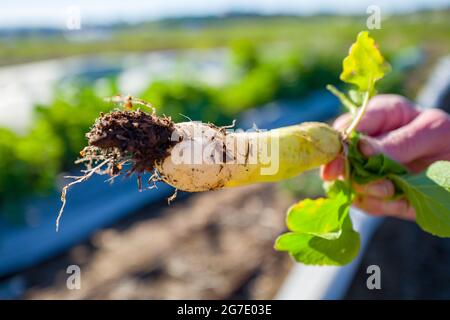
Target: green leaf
{"x": 365, "y": 170}
{"x": 364, "y": 64}
{"x": 336, "y": 187}
{"x": 320, "y": 217}
{"x": 322, "y": 229}
{"x": 429, "y": 194}
{"x": 356, "y": 96}
{"x": 349, "y": 106}
{"x": 314, "y": 250}
{"x": 439, "y": 172}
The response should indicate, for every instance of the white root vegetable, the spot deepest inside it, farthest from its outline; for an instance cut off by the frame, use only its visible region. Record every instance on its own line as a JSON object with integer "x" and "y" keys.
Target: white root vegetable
{"x": 209, "y": 158}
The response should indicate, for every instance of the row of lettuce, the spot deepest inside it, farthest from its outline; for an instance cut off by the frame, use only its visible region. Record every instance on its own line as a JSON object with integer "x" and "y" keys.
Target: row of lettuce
{"x": 31, "y": 162}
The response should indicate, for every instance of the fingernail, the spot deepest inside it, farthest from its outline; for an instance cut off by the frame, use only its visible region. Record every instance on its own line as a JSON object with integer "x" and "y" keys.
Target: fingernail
{"x": 333, "y": 169}
{"x": 380, "y": 190}
{"x": 366, "y": 147}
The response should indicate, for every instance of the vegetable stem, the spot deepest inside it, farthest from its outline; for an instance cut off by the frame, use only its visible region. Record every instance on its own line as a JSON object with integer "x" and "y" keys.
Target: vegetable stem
{"x": 358, "y": 116}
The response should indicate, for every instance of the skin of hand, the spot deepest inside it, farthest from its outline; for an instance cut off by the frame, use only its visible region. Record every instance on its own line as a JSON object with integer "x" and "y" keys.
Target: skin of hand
{"x": 392, "y": 125}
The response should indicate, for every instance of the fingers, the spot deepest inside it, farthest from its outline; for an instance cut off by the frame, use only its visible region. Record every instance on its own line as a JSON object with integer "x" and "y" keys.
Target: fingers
{"x": 393, "y": 126}
{"x": 369, "y": 146}
{"x": 417, "y": 144}
{"x": 375, "y": 198}
{"x": 424, "y": 137}
{"x": 382, "y": 189}
{"x": 421, "y": 164}
{"x": 333, "y": 170}
{"x": 384, "y": 113}
{"x": 381, "y": 207}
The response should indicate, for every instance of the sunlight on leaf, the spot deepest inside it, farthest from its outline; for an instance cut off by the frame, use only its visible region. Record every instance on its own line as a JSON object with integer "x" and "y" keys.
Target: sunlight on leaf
{"x": 364, "y": 64}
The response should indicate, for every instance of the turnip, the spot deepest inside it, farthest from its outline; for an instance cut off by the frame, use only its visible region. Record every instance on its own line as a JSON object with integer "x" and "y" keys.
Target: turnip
{"x": 194, "y": 156}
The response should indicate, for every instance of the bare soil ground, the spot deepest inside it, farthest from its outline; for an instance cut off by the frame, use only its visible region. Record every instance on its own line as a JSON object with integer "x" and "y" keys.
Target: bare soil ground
{"x": 218, "y": 245}
{"x": 215, "y": 245}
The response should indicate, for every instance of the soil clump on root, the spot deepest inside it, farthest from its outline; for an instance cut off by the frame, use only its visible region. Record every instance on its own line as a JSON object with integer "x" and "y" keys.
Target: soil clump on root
{"x": 134, "y": 139}
{"x": 130, "y": 136}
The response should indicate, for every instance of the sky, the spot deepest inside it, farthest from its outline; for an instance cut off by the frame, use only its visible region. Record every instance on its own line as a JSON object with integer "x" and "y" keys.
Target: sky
{"x": 54, "y": 13}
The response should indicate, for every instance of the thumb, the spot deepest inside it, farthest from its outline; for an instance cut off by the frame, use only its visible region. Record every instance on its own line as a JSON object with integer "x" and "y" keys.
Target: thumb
{"x": 369, "y": 146}
{"x": 397, "y": 149}
{"x": 426, "y": 135}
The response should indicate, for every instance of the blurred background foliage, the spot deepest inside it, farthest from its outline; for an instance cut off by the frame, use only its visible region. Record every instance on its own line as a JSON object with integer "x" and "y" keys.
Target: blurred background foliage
{"x": 325, "y": 33}
{"x": 286, "y": 61}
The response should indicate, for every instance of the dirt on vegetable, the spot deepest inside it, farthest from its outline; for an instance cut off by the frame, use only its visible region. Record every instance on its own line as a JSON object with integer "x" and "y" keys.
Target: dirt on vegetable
{"x": 124, "y": 141}
{"x": 128, "y": 135}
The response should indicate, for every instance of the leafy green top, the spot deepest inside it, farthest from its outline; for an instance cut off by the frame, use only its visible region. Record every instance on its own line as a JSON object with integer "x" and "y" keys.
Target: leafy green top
{"x": 321, "y": 231}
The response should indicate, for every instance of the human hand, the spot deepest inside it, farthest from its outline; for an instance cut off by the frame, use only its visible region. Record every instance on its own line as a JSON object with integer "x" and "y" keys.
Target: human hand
{"x": 393, "y": 126}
